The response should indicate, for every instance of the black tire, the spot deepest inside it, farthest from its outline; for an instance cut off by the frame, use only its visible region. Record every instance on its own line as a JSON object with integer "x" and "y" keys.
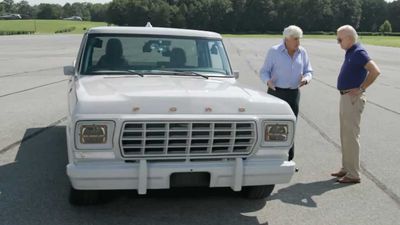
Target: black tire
{"x": 84, "y": 197}
{"x": 258, "y": 192}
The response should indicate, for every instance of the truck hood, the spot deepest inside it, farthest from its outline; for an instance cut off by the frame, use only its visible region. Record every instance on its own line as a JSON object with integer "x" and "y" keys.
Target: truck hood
{"x": 172, "y": 95}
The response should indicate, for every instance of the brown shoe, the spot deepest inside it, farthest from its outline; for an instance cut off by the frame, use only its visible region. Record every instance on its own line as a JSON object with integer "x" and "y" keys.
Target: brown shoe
{"x": 348, "y": 180}
{"x": 339, "y": 174}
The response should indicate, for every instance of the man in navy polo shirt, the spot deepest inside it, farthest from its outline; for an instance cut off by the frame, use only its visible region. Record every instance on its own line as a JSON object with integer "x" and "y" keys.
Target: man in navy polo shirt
{"x": 358, "y": 72}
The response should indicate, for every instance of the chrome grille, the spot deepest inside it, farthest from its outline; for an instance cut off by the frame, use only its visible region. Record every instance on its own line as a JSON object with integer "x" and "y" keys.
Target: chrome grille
{"x": 183, "y": 139}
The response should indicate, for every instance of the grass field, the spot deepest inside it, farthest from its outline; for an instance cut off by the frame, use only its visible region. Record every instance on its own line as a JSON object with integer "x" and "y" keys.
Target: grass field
{"x": 47, "y": 26}
{"x": 369, "y": 40}
{"x": 50, "y": 26}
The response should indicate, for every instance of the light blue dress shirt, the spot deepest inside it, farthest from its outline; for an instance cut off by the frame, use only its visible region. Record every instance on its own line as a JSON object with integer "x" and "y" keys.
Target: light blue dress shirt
{"x": 285, "y": 71}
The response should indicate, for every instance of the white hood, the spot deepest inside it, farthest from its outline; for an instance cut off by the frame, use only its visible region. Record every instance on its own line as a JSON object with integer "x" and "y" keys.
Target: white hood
{"x": 158, "y": 94}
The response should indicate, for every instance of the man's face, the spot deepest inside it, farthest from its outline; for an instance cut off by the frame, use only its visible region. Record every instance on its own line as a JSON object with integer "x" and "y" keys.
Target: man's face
{"x": 292, "y": 43}
{"x": 344, "y": 40}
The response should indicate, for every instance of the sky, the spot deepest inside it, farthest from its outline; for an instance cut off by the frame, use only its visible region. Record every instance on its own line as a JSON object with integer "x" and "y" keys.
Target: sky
{"x": 61, "y": 2}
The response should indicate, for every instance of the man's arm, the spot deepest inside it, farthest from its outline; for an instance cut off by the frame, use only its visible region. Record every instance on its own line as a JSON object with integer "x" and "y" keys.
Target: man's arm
{"x": 307, "y": 70}
{"x": 373, "y": 73}
{"x": 266, "y": 70}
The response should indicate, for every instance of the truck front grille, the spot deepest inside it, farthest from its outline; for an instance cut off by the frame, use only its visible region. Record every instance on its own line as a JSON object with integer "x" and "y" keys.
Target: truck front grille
{"x": 187, "y": 139}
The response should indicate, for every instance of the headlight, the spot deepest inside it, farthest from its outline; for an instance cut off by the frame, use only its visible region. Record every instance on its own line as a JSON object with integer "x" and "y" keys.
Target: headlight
{"x": 94, "y": 134}
{"x": 278, "y": 133}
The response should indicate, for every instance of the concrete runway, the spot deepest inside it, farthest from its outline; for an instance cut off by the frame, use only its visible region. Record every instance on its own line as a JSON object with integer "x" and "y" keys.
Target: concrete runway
{"x": 34, "y": 187}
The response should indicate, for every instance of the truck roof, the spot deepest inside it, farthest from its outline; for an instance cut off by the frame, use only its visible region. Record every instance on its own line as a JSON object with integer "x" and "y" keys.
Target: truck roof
{"x": 154, "y": 31}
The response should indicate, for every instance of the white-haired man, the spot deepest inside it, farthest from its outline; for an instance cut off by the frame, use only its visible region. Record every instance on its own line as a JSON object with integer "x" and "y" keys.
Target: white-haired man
{"x": 286, "y": 69}
{"x": 358, "y": 72}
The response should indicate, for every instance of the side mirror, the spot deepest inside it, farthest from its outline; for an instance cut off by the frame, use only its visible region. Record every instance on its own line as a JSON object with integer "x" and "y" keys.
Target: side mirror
{"x": 214, "y": 49}
{"x": 97, "y": 43}
{"x": 236, "y": 74}
{"x": 69, "y": 70}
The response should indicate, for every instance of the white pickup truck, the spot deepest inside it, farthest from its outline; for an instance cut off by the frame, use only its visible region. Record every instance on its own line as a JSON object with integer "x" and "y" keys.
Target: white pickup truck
{"x": 155, "y": 108}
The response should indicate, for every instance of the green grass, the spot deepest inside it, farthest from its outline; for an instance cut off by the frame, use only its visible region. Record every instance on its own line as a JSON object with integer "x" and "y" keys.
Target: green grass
{"x": 47, "y": 26}
{"x": 50, "y": 26}
{"x": 390, "y": 41}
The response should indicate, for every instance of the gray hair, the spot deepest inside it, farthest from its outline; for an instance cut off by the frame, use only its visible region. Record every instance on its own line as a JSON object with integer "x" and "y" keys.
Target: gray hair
{"x": 349, "y": 31}
{"x": 292, "y": 31}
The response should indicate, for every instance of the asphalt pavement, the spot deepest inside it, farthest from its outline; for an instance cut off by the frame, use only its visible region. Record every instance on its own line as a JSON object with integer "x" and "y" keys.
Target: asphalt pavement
{"x": 34, "y": 187}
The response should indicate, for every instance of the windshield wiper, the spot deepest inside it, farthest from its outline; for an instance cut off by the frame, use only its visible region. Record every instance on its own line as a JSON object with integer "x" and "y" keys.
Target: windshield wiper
{"x": 184, "y": 73}
{"x": 134, "y": 72}
{"x": 116, "y": 72}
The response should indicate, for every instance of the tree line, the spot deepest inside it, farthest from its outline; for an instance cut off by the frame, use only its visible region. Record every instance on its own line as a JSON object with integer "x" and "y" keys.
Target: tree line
{"x": 227, "y": 16}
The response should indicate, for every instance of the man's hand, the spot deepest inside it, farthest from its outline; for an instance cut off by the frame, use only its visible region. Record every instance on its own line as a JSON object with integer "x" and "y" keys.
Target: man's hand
{"x": 303, "y": 81}
{"x": 271, "y": 85}
{"x": 355, "y": 92}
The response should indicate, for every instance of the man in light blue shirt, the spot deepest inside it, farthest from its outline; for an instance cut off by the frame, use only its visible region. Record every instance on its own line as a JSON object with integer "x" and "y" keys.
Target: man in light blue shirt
{"x": 286, "y": 69}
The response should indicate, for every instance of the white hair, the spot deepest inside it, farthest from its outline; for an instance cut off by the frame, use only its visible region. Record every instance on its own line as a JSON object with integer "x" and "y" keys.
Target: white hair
{"x": 292, "y": 31}
{"x": 349, "y": 31}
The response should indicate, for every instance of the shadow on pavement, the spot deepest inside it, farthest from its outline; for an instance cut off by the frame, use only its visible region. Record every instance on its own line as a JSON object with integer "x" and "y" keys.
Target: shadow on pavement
{"x": 34, "y": 190}
{"x": 302, "y": 193}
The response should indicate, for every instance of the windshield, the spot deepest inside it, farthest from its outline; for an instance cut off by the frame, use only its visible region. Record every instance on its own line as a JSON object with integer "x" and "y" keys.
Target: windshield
{"x": 130, "y": 54}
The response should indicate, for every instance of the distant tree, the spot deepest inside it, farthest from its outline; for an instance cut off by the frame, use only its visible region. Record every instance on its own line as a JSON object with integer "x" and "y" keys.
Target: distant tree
{"x": 196, "y": 13}
{"x": 8, "y": 6}
{"x": 1, "y": 8}
{"x": 373, "y": 13}
{"x": 260, "y": 16}
{"x": 235, "y": 22}
{"x": 178, "y": 13}
{"x": 138, "y": 12}
{"x": 219, "y": 11}
{"x": 67, "y": 10}
{"x": 317, "y": 15}
{"x": 49, "y": 11}
{"x": 346, "y": 12}
{"x": 159, "y": 13}
{"x": 386, "y": 27}
{"x": 24, "y": 9}
{"x": 394, "y": 15}
{"x": 98, "y": 12}
{"x": 288, "y": 12}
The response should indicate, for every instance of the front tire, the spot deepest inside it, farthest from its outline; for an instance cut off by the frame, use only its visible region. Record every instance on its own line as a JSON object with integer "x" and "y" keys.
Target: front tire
{"x": 83, "y": 197}
{"x": 258, "y": 192}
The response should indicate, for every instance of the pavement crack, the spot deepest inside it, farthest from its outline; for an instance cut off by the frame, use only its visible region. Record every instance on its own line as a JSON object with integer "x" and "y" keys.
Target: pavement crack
{"x": 29, "y": 89}
{"x": 364, "y": 170}
{"x": 26, "y": 72}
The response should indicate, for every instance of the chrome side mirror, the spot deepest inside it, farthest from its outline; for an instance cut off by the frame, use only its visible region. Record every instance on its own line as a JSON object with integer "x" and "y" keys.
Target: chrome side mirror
{"x": 69, "y": 70}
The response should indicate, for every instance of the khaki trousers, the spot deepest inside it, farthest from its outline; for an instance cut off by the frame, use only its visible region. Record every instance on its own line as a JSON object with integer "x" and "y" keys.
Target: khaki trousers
{"x": 351, "y": 108}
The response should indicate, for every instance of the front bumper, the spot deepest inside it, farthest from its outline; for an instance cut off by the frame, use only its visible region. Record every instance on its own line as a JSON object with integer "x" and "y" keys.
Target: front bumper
{"x": 145, "y": 175}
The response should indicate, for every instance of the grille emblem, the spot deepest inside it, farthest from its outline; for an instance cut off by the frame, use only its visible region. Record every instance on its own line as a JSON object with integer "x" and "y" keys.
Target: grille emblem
{"x": 241, "y": 109}
{"x": 208, "y": 109}
{"x": 135, "y": 109}
{"x": 173, "y": 109}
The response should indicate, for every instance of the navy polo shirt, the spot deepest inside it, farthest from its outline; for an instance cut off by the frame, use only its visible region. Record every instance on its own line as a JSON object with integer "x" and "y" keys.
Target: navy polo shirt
{"x": 352, "y": 74}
